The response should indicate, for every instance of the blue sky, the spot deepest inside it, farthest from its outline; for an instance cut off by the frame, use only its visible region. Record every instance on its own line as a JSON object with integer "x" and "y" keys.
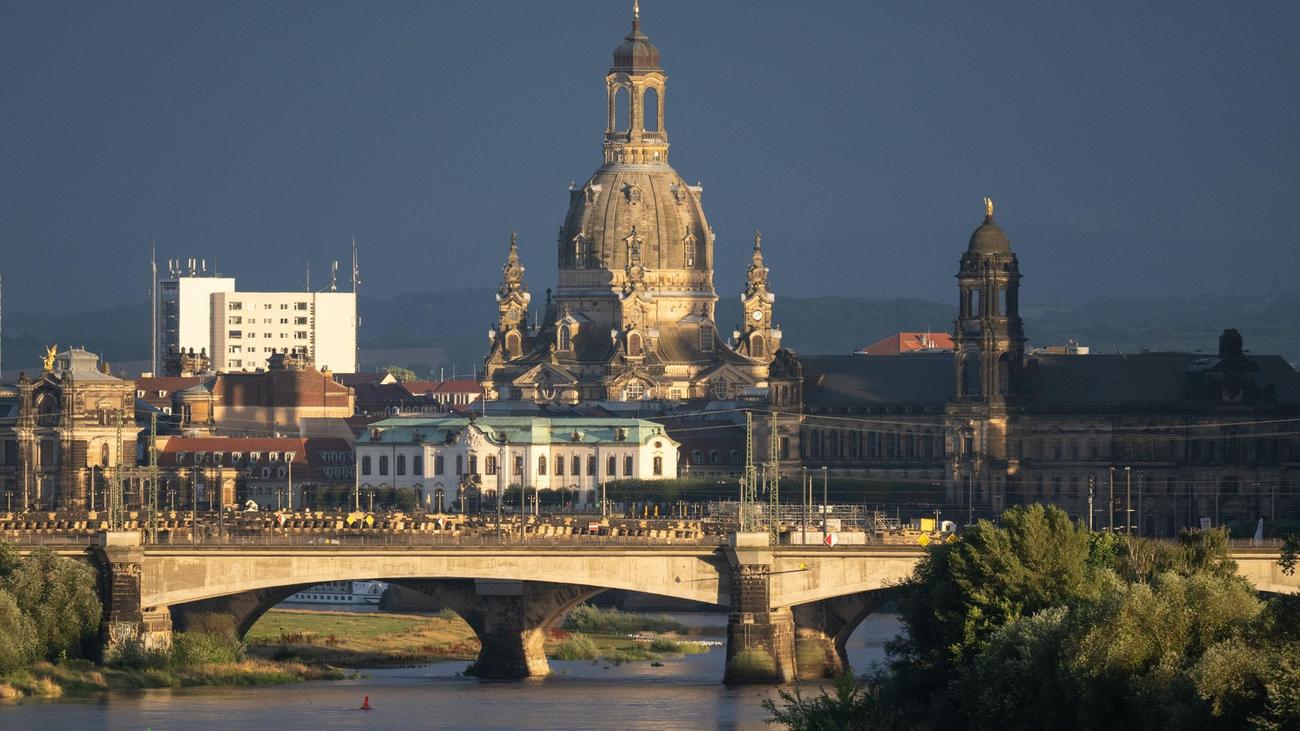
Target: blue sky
{"x": 1132, "y": 148}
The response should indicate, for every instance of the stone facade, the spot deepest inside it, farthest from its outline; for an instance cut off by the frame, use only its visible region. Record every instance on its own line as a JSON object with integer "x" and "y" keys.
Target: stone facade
{"x": 63, "y": 429}
{"x": 1156, "y": 441}
{"x": 633, "y": 316}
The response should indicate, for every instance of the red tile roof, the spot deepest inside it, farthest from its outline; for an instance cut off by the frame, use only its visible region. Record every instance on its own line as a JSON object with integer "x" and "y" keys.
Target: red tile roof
{"x": 909, "y": 342}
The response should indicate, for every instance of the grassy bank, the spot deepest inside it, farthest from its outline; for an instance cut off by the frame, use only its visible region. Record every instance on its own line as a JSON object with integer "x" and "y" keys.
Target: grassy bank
{"x": 82, "y": 677}
{"x": 382, "y": 639}
{"x": 361, "y": 640}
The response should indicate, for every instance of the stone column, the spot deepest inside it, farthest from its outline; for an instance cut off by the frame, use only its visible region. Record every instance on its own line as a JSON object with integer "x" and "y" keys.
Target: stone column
{"x": 511, "y": 619}
{"x": 822, "y": 630}
{"x": 760, "y": 639}
{"x": 125, "y": 621}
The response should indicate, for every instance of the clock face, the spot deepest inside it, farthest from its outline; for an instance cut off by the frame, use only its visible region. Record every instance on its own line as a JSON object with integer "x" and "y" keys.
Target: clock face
{"x": 757, "y": 315}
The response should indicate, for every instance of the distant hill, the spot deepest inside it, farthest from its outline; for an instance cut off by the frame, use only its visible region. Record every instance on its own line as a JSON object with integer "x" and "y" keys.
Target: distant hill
{"x": 446, "y": 329}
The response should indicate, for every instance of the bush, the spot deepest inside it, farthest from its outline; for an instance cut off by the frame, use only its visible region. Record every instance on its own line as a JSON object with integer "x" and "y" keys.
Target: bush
{"x": 60, "y": 598}
{"x": 193, "y": 649}
{"x": 848, "y": 706}
{"x": 576, "y": 647}
{"x": 594, "y": 620}
{"x": 17, "y": 636}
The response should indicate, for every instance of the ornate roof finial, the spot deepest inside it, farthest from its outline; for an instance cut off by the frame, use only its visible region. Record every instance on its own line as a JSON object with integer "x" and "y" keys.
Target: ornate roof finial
{"x": 988, "y": 207}
{"x": 758, "y": 239}
{"x": 512, "y": 274}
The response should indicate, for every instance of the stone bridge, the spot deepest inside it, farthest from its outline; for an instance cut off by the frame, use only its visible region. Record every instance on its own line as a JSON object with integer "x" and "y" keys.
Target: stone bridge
{"x": 791, "y": 608}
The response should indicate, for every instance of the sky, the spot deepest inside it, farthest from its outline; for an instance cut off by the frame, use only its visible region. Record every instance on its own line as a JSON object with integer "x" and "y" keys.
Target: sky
{"x": 1132, "y": 149}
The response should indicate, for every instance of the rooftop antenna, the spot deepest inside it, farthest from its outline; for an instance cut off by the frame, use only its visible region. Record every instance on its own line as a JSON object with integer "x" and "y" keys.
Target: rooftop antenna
{"x": 203, "y": 264}
{"x": 334, "y": 276}
{"x": 153, "y": 303}
{"x": 309, "y": 274}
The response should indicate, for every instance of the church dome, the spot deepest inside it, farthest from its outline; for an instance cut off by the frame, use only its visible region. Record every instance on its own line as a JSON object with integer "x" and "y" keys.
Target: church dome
{"x": 665, "y": 212}
{"x": 636, "y": 51}
{"x": 989, "y": 239}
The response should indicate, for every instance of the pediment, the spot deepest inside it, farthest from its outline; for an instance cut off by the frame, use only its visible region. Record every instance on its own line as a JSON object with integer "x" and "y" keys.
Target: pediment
{"x": 545, "y": 375}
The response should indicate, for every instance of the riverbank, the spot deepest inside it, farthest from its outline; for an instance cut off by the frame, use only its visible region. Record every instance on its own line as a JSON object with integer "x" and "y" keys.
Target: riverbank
{"x": 82, "y": 677}
{"x": 382, "y": 639}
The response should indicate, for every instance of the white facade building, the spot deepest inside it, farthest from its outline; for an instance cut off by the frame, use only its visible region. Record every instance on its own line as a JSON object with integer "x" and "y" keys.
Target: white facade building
{"x": 434, "y": 455}
{"x": 239, "y": 331}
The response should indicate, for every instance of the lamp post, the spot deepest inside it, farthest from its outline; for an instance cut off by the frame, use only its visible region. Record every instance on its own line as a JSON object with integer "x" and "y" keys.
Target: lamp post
{"x": 92, "y": 487}
{"x": 1110, "y": 503}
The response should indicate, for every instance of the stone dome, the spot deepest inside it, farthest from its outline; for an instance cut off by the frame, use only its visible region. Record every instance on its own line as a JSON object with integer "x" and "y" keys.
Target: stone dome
{"x": 989, "y": 239}
{"x": 665, "y": 211}
{"x": 636, "y": 51}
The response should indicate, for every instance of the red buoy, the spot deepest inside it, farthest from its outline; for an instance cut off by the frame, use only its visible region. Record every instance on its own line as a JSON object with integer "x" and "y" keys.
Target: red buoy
{"x": 365, "y": 704}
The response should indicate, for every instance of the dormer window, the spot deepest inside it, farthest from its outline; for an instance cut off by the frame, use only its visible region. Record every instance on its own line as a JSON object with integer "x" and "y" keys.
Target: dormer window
{"x": 273, "y": 456}
{"x": 254, "y": 456}
{"x": 236, "y": 456}
{"x": 565, "y": 339}
{"x": 139, "y": 394}
{"x": 180, "y": 457}
{"x": 706, "y": 338}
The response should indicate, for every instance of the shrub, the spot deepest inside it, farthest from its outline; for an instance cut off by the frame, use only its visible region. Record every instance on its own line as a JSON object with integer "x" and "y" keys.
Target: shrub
{"x": 193, "y": 649}
{"x": 594, "y": 620}
{"x": 577, "y": 647}
{"x": 17, "y": 636}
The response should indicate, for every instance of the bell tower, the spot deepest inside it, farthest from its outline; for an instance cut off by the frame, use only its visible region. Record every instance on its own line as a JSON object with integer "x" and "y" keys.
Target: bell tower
{"x": 510, "y": 337}
{"x": 757, "y": 338}
{"x": 989, "y": 335}
{"x": 634, "y": 86}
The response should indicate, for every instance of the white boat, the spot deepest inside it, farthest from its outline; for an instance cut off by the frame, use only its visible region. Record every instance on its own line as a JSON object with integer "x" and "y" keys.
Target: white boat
{"x": 341, "y": 592}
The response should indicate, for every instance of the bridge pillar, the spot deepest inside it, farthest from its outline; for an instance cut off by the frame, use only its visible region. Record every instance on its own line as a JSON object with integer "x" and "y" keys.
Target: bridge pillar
{"x": 511, "y": 619}
{"x": 822, "y": 631}
{"x": 125, "y": 622}
{"x": 760, "y": 639}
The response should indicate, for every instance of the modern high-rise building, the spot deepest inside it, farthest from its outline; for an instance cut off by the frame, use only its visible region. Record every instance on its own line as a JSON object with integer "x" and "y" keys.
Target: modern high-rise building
{"x": 204, "y": 323}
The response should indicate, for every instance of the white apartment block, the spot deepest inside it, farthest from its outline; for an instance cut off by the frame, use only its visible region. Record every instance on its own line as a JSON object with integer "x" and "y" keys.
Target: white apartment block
{"x": 241, "y": 330}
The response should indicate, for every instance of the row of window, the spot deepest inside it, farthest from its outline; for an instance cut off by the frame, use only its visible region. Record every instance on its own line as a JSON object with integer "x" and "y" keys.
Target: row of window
{"x": 855, "y": 444}
{"x": 239, "y": 335}
{"x": 237, "y": 306}
{"x": 573, "y": 465}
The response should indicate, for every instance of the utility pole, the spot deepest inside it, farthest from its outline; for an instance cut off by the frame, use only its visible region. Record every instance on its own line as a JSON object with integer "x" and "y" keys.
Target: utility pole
{"x": 153, "y": 478}
{"x": 1128, "y": 501}
{"x": 774, "y": 482}
{"x": 1092, "y": 488}
{"x": 1110, "y": 503}
{"x": 826, "y": 508}
{"x": 153, "y": 304}
{"x": 749, "y": 483}
{"x": 803, "y": 498}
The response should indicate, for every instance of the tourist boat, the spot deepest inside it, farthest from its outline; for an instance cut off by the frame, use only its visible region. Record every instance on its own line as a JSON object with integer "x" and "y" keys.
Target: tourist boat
{"x": 341, "y": 592}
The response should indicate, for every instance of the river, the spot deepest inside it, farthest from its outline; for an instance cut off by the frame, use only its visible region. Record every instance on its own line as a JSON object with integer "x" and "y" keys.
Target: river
{"x": 683, "y": 694}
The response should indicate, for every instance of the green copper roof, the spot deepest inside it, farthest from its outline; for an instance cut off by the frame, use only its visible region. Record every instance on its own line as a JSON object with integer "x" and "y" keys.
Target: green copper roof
{"x": 516, "y": 429}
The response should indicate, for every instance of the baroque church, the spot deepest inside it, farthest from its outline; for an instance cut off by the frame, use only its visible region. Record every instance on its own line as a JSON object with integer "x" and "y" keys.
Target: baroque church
{"x": 633, "y": 316}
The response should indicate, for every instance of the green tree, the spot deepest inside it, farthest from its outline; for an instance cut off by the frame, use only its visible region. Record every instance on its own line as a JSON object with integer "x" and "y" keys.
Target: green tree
{"x": 17, "y": 636}
{"x": 847, "y": 706}
{"x": 400, "y": 373}
{"x": 59, "y": 596}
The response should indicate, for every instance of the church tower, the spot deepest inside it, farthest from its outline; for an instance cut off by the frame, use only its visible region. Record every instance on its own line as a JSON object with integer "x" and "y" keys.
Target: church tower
{"x": 757, "y": 338}
{"x": 633, "y": 314}
{"x": 989, "y": 335}
{"x": 510, "y": 336}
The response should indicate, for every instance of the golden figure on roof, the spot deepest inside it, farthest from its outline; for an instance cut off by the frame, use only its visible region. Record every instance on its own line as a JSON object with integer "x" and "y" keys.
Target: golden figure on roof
{"x": 988, "y": 206}
{"x": 48, "y": 358}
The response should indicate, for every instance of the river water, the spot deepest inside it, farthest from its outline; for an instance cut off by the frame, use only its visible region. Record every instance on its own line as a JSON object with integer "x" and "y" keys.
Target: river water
{"x": 683, "y": 694}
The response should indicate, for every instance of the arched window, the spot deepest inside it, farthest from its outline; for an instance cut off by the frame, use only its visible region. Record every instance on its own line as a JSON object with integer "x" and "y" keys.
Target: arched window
{"x": 591, "y": 465}
{"x": 565, "y": 338}
{"x": 513, "y": 344}
{"x": 473, "y": 464}
{"x": 619, "y": 112}
{"x": 541, "y": 465}
{"x": 659, "y": 466}
{"x": 365, "y": 465}
{"x": 401, "y": 464}
{"x": 383, "y": 464}
{"x": 697, "y": 457}
{"x": 688, "y": 250}
{"x": 611, "y": 466}
{"x": 437, "y": 465}
{"x": 559, "y": 465}
{"x": 650, "y": 110}
{"x": 627, "y": 466}
{"x": 715, "y": 457}
{"x": 417, "y": 465}
{"x": 103, "y": 454}
{"x": 1004, "y": 374}
{"x": 734, "y": 456}
{"x": 579, "y": 252}
{"x": 757, "y": 346}
{"x": 706, "y": 338}
{"x": 634, "y": 344}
